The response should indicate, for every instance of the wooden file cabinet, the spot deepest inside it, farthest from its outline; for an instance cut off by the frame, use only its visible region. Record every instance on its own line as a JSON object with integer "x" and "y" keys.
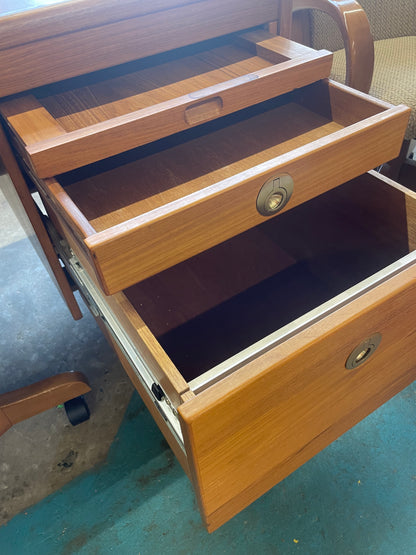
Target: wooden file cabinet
{"x": 255, "y": 340}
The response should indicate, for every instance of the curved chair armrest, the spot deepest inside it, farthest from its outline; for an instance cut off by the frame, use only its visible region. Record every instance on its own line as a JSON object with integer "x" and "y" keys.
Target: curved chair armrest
{"x": 355, "y": 29}
{"x": 27, "y": 401}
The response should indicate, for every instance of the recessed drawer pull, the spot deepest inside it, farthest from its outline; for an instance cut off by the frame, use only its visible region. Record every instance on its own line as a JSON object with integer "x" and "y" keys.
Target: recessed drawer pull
{"x": 363, "y": 351}
{"x": 204, "y": 111}
{"x": 274, "y": 195}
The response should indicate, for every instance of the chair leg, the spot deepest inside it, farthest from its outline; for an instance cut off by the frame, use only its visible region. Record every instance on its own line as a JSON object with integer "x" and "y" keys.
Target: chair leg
{"x": 25, "y": 402}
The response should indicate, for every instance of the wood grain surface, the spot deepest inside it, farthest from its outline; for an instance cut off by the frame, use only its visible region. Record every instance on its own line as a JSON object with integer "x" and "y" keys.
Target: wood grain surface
{"x": 82, "y": 124}
{"x": 248, "y": 432}
{"x": 47, "y": 60}
{"x": 17, "y": 194}
{"x": 202, "y": 192}
{"x": 215, "y": 305}
{"x": 39, "y": 22}
{"x": 185, "y": 291}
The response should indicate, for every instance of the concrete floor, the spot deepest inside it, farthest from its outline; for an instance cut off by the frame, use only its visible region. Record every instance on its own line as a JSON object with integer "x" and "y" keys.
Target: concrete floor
{"x": 39, "y": 338}
{"x": 356, "y": 497}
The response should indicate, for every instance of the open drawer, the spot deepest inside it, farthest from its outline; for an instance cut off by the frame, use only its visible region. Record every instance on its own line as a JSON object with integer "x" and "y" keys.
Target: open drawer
{"x": 272, "y": 344}
{"x": 74, "y": 123}
{"x": 146, "y": 210}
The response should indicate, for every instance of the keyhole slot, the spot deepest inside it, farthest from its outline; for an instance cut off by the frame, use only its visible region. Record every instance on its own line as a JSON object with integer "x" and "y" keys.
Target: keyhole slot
{"x": 363, "y": 351}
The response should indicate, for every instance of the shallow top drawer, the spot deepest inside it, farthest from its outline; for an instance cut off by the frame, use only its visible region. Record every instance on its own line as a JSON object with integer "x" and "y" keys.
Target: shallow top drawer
{"x": 74, "y": 123}
{"x": 142, "y": 212}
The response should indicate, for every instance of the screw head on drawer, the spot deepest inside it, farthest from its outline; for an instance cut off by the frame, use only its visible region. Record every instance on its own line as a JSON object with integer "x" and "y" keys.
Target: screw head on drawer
{"x": 363, "y": 351}
{"x": 274, "y": 194}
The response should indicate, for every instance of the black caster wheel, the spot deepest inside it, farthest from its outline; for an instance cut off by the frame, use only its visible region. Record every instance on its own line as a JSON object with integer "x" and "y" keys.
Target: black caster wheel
{"x": 77, "y": 410}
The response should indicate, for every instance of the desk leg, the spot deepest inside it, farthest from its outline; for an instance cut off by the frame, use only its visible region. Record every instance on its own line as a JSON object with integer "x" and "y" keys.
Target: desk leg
{"x": 17, "y": 194}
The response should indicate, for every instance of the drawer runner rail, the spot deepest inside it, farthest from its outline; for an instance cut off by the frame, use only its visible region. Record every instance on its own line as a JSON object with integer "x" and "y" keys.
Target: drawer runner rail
{"x": 100, "y": 309}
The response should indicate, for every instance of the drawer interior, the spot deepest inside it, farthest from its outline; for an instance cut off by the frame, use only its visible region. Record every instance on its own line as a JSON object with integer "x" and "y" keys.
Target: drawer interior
{"x": 118, "y": 91}
{"x": 89, "y": 118}
{"x": 212, "y": 306}
{"x": 147, "y": 179}
{"x": 147, "y": 209}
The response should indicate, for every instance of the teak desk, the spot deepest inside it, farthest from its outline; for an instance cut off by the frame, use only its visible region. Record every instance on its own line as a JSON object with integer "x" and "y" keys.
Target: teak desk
{"x": 205, "y": 188}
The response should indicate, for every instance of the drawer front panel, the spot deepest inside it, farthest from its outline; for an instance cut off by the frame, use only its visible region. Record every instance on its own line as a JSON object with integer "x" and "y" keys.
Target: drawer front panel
{"x": 246, "y": 433}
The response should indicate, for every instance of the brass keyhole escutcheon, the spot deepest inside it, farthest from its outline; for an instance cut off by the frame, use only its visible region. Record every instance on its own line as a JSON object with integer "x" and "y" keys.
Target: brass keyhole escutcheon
{"x": 363, "y": 351}
{"x": 274, "y": 194}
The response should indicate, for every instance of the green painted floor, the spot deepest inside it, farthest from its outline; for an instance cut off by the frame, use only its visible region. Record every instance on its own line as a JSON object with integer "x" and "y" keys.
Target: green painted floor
{"x": 356, "y": 497}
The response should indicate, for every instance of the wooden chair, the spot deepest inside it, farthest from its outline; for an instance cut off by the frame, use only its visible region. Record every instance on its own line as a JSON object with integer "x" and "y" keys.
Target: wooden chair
{"x": 25, "y": 402}
{"x": 377, "y": 55}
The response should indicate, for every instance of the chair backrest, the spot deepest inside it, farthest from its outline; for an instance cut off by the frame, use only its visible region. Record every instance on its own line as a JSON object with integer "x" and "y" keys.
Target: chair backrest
{"x": 387, "y": 20}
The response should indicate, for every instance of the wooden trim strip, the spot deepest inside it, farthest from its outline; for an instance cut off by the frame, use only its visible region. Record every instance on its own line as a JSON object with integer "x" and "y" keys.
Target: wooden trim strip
{"x": 56, "y": 194}
{"x": 273, "y": 48}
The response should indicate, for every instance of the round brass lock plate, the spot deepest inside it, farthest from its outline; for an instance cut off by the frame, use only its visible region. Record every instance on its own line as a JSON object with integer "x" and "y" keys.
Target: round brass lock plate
{"x": 274, "y": 194}
{"x": 363, "y": 351}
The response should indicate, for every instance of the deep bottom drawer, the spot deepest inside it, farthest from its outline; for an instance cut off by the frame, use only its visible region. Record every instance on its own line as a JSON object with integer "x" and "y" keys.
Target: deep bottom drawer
{"x": 272, "y": 344}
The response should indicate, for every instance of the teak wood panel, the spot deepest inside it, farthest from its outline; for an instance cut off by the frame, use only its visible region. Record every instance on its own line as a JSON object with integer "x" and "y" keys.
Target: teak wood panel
{"x": 150, "y": 183}
{"x": 190, "y": 207}
{"x": 17, "y": 194}
{"x": 67, "y": 130}
{"x": 30, "y": 24}
{"x": 248, "y": 432}
{"x": 188, "y": 71}
{"x": 47, "y": 60}
{"x": 181, "y": 293}
{"x": 244, "y": 422}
